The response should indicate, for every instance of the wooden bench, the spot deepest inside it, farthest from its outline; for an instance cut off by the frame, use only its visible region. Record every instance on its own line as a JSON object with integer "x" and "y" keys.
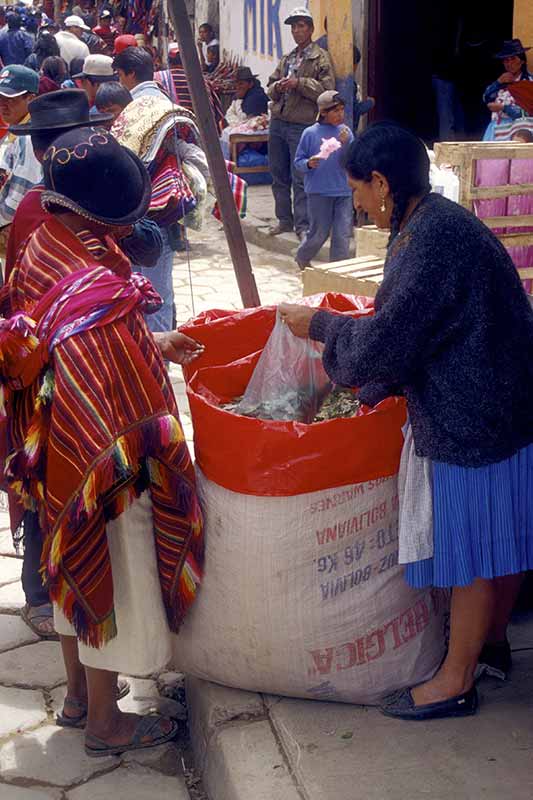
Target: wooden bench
{"x": 354, "y": 276}
{"x": 236, "y": 139}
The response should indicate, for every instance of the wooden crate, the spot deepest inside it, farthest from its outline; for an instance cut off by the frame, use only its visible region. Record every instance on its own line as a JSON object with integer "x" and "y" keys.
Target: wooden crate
{"x": 353, "y": 276}
{"x": 463, "y": 157}
{"x": 371, "y": 241}
{"x": 237, "y": 139}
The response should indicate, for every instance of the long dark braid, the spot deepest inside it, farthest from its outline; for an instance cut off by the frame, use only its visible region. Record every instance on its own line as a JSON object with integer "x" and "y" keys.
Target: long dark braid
{"x": 400, "y": 156}
{"x": 401, "y": 201}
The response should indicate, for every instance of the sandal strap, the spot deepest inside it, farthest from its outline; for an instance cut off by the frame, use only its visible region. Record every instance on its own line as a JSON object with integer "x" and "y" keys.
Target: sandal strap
{"x": 149, "y": 725}
{"x": 81, "y": 705}
{"x": 145, "y": 727}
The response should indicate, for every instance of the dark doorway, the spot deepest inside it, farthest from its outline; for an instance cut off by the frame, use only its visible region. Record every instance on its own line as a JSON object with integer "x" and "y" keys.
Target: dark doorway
{"x": 412, "y": 40}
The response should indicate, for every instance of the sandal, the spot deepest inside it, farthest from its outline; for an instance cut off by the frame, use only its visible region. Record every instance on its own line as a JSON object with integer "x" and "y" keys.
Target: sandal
{"x": 80, "y": 720}
{"x": 148, "y": 726}
{"x": 37, "y": 617}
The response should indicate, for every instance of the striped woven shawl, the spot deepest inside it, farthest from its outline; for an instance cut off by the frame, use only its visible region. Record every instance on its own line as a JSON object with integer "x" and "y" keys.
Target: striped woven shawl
{"x": 93, "y": 424}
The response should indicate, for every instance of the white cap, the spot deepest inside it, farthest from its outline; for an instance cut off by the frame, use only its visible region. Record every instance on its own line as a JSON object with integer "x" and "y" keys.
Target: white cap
{"x": 97, "y": 66}
{"x": 105, "y": 13}
{"x": 173, "y": 47}
{"x": 300, "y": 12}
{"x": 75, "y": 22}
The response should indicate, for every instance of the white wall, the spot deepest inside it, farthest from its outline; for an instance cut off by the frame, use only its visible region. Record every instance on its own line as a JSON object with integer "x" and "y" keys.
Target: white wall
{"x": 260, "y": 43}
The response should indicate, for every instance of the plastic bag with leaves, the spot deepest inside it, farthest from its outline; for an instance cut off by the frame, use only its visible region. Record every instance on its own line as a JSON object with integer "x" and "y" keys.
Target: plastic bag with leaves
{"x": 289, "y": 381}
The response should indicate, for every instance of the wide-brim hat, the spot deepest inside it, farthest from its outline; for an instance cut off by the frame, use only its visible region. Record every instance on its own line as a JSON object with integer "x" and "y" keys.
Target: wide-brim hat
{"x": 512, "y": 47}
{"x": 300, "y": 13}
{"x": 64, "y": 109}
{"x": 86, "y": 171}
{"x": 245, "y": 74}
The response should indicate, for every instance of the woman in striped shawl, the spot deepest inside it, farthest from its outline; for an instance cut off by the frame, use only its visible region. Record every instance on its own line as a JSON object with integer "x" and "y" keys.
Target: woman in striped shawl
{"x": 95, "y": 442}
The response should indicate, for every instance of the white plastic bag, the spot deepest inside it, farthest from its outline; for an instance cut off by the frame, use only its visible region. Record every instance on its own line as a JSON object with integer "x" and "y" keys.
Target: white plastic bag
{"x": 289, "y": 381}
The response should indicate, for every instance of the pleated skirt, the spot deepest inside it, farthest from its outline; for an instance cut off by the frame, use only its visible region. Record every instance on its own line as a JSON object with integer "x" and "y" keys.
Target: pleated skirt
{"x": 482, "y": 523}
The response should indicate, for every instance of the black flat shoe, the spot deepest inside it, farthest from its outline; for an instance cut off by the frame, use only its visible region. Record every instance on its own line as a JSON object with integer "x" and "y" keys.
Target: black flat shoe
{"x": 401, "y": 705}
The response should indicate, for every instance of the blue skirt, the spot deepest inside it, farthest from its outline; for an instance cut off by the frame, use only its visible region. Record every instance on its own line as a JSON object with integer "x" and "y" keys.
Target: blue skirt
{"x": 482, "y": 523}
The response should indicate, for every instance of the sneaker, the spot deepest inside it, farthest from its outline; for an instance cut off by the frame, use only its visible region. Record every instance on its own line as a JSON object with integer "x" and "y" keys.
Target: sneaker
{"x": 495, "y": 660}
{"x": 280, "y": 228}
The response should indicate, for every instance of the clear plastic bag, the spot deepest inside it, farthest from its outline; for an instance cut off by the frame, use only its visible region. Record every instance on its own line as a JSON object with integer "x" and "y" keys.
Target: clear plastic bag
{"x": 289, "y": 381}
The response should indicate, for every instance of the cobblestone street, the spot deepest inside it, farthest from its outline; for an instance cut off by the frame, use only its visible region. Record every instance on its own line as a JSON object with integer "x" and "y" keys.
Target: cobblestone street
{"x": 38, "y": 760}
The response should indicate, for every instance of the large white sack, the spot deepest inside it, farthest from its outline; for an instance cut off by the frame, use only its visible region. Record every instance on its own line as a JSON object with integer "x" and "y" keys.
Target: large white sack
{"x": 302, "y": 596}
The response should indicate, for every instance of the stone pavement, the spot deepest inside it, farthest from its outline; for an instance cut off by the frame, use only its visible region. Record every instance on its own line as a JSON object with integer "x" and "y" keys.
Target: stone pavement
{"x": 38, "y": 760}
{"x": 274, "y": 748}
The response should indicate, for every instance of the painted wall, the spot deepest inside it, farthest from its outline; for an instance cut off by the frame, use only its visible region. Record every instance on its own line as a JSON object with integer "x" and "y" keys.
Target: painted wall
{"x": 253, "y": 31}
{"x": 206, "y": 11}
{"x": 523, "y": 25}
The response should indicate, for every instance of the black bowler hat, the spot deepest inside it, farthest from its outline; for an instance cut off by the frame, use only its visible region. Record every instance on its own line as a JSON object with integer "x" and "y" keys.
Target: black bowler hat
{"x": 512, "y": 47}
{"x": 88, "y": 172}
{"x": 245, "y": 74}
{"x": 66, "y": 108}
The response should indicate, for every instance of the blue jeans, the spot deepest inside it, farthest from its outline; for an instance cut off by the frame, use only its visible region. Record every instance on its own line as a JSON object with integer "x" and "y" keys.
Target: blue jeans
{"x": 327, "y": 215}
{"x": 160, "y": 277}
{"x": 36, "y": 594}
{"x": 284, "y": 138}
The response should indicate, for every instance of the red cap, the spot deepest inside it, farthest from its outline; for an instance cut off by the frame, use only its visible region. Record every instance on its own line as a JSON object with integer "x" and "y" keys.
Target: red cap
{"x": 123, "y": 41}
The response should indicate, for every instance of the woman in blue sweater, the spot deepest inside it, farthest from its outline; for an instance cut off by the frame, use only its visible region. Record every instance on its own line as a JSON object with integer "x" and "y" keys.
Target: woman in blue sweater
{"x": 329, "y": 198}
{"x": 453, "y": 332}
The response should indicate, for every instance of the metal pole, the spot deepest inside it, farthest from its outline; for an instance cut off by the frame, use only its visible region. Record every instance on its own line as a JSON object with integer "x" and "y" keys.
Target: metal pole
{"x": 162, "y": 38}
{"x": 217, "y": 166}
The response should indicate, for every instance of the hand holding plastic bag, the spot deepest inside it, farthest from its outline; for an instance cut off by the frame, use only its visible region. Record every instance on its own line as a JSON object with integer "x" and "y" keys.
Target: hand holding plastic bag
{"x": 289, "y": 381}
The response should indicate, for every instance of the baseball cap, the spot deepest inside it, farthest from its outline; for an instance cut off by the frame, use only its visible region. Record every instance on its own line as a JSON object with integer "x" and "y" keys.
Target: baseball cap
{"x": 75, "y": 22}
{"x": 173, "y": 47}
{"x": 328, "y": 100}
{"x": 123, "y": 41}
{"x": 16, "y": 80}
{"x": 300, "y": 12}
{"x": 97, "y": 66}
{"x": 105, "y": 13}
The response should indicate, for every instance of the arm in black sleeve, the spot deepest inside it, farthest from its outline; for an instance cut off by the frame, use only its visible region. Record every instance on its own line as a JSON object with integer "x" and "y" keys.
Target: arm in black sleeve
{"x": 417, "y": 314}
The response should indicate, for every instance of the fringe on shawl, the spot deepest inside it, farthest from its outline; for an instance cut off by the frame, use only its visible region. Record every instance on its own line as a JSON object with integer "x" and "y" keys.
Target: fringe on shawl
{"x": 153, "y": 445}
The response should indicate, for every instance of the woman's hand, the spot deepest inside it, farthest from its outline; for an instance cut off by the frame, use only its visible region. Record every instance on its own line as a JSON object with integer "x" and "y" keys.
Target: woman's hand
{"x": 507, "y": 77}
{"x": 314, "y": 162}
{"x": 298, "y": 318}
{"x": 177, "y": 347}
{"x": 496, "y": 107}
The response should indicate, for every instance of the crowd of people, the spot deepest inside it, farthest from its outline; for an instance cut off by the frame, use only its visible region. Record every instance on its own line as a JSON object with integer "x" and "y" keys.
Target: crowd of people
{"x": 95, "y": 457}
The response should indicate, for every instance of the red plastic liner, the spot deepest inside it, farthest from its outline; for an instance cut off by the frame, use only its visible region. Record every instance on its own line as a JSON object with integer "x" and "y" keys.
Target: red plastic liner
{"x": 279, "y": 459}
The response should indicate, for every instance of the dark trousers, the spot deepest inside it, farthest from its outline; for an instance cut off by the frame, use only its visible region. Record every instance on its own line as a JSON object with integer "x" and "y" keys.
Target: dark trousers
{"x": 36, "y": 593}
{"x": 328, "y": 216}
{"x": 284, "y": 138}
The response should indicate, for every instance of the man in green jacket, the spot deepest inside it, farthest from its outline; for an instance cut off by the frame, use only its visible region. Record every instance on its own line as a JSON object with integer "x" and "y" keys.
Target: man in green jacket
{"x": 300, "y": 77}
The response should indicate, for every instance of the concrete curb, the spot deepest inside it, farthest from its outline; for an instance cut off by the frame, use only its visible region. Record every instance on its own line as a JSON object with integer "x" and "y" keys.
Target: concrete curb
{"x": 237, "y": 752}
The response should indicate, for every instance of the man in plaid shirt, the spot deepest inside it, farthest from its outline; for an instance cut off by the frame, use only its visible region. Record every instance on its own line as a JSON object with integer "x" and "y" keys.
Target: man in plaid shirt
{"x": 19, "y": 169}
